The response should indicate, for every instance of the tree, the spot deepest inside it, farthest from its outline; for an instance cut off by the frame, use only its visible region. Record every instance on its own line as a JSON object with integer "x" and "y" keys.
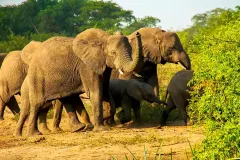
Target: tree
{"x": 105, "y": 15}
{"x": 147, "y": 21}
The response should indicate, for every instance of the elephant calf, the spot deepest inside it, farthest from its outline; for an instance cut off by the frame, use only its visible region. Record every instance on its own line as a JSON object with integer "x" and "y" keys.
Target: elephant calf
{"x": 178, "y": 95}
{"x": 128, "y": 94}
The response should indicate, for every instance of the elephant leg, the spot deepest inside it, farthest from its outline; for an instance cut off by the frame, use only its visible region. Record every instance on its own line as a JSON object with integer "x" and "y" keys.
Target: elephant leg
{"x": 108, "y": 102}
{"x": 13, "y": 105}
{"x": 153, "y": 81}
{"x": 125, "y": 114}
{"x": 57, "y": 115}
{"x": 74, "y": 123}
{"x": 81, "y": 110}
{"x": 112, "y": 110}
{"x": 167, "y": 110}
{"x": 32, "y": 121}
{"x": 2, "y": 108}
{"x": 25, "y": 109}
{"x": 183, "y": 113}
{"x": 181, "y": 103}
{"x": 136, "y": 109}
{"x": 43, "y": 117}
{"x": 3, "y": 102}
{"x": 97, "y": 110}
{"x": 109, "y": 109}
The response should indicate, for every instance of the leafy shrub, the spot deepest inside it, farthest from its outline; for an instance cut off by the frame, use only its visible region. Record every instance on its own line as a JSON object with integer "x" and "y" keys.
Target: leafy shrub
{"x": 216, "y": 67}
{"x": 17, "y": 42}
{"x": 14, "y": 42}
{"x": 43, "y": 36}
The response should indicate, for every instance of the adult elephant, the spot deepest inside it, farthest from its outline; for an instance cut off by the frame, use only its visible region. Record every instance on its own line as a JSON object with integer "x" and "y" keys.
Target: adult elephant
{"x": 178, "y": 95}
{"x": 159, "y": 47}
{"x": 13, "y": 72}
{"x": 65, "y": 67}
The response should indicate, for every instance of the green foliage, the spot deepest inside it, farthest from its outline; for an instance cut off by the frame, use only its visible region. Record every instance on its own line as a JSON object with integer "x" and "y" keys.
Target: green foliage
{"x": 105, "y": 15}
{"x": 17, "y": 42}
{"x": 215, "y": 98}
{"x": 41, "y": 19}
{"x": 206, "y": 23}
{"x": 13, "y": 43}
{"x": 222, "y": 143}
{"x": 150, "y": 114}
{"x": 60, "y": 17}
{"x": 147, "y": 21}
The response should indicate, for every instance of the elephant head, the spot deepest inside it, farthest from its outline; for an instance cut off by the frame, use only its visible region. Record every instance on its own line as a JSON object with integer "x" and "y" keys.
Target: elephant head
{"x": 140, "y": 90}
{"x": 98, "y": 49}
{"x": 160, "y": 47}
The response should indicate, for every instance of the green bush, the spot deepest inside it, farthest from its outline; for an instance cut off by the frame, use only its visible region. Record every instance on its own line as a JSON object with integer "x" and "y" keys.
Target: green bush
{"x": 216, "y": 97}
{"x": 17, "y": 42}
{"x": 14, "y": 42}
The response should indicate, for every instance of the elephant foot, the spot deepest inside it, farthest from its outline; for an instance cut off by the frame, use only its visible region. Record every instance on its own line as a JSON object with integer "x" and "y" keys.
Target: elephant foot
{"x": 109, "y": 122}
{"x": 1, "y": 118}
{"x": 159, "y": 127}
{"x": 45, "y": 129}
{"x": 57, "y": 129}
{"x": 88, "y": 127}
{"x": 34, "y": 133}
{"x": 106, "y": 123}
{"x": 101, "y": 128}
{"x": 17, "y": 133}
{"x": 135, "y": 124}
{"x": 77, "y": 127}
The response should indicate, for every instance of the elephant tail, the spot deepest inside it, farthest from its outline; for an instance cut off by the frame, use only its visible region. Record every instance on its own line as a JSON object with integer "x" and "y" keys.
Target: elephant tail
{"x": 166, "y": 96}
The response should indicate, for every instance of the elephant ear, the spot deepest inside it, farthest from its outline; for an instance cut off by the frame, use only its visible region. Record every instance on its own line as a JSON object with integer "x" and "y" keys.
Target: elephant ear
{"x": 89, "y": 47}
{"x": 150, "y": 42}
{"x": 28, "y": 51}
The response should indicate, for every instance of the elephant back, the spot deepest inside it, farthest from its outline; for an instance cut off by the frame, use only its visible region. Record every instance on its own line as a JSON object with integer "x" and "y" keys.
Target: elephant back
{"x": 10, "y": 60}
{"x": 28, "y": 51}
{"x": 182, "y": 78}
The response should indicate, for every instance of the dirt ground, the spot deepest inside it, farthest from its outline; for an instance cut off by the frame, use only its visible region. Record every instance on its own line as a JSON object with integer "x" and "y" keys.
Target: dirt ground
{"x": 120, "y": 141}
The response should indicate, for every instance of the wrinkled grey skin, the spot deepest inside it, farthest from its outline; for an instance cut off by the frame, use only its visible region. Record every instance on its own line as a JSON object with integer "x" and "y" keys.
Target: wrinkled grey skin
{"x": 12, "y": 75}
{"x": 178, "y": 95}
{"x": 13, "y": 72}
{"x": 12, "y": 103}
{"x": 128, "y": 94}
{"x": 159, "y": 47}
{"x": 65, "y": 67}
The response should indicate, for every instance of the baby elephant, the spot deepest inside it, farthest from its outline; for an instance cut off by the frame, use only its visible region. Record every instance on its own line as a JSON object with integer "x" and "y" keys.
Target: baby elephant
{"x": 128, "y": 94}
{"x": 178, "y": 95}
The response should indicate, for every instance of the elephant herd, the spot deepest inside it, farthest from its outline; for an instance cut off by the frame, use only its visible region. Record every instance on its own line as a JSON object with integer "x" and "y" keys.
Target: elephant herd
{"x": 112, "y": 70}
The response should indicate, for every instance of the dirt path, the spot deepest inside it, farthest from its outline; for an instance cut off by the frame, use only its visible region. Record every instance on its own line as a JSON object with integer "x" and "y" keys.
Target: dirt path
{"x": 103, "y": 145}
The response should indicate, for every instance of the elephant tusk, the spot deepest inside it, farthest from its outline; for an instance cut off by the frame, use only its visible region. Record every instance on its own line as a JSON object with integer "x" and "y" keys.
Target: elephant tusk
{"x": 137, "y": 75}
{"x": 181, "y": 65}
{"x": 120, "y": 71}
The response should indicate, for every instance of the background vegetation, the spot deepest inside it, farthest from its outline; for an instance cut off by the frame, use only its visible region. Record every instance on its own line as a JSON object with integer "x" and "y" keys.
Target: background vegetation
{"x": 212, "y": 42}
{"x": 42, "y": 19}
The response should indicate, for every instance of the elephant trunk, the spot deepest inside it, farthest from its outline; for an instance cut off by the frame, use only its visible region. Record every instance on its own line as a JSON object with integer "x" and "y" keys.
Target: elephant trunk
{"x": 129, "y": 65}
{"x": 185, "y": 60}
